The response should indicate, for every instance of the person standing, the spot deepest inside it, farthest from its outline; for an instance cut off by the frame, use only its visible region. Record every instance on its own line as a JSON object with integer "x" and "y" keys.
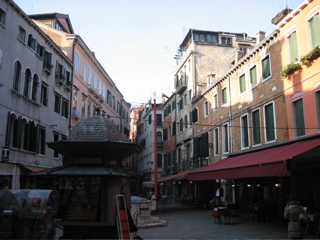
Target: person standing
{"x": 292, "y": 212}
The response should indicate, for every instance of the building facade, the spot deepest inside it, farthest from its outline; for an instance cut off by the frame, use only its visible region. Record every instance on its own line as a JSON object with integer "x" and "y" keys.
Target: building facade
{"x": 35, "y": 103}
{"x": 93, "y": 92}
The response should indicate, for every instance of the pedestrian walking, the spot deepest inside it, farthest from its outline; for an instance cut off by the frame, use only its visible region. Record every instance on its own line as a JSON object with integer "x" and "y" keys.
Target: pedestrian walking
{"x": 296, "y": 215}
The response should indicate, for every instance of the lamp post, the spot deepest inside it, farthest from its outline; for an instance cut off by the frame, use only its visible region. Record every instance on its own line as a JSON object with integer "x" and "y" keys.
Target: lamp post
{"x": 155, "y": 150}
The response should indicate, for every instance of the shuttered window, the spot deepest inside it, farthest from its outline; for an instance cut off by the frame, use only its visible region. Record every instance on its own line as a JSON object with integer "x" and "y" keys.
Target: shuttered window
{"x": 298, "y": 118}
{"x": 314, "y": 29}
{"x": 293, "y": 47}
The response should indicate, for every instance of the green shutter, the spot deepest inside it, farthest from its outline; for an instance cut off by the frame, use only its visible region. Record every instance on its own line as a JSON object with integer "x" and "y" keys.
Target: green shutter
{"x": 253, "y": 76}
{"x": 242, "y": 84}
{"x": 269, "y": 118}
{"x": 266, "y": 67}
{"x": 293, "y": 45}
{"x": 299, "y": 118}
{"x": 256, "y": 127}
{"x": 315, "y": 33}
{"x": 245, "y": 135}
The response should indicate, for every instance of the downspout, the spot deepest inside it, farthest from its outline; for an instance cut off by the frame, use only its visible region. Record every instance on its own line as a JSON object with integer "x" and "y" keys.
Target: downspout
{"x": 72, "y": 86}
{"x": 230, "y": 118}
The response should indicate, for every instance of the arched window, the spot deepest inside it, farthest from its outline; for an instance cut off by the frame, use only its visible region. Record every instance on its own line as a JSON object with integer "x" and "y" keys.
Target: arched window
{"x": 12, "y": 130}
{"x": 27, "y": 83}
{"x": 16, "y": 76}
{"x": 35, "y": 86}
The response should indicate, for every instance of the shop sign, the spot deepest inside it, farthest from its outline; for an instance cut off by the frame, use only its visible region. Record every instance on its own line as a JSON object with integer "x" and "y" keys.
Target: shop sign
{"x": 88, "y": 161}
{"x": 5, "y": 154}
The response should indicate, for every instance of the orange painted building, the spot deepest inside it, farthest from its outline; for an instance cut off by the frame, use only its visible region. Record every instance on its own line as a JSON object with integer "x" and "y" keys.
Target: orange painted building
{"x": 300, "y": 34}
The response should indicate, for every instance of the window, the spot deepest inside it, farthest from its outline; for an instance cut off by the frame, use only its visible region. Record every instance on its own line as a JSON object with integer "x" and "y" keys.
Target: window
{"x": 186, "y": 121}
{"x": 17, "y": 76}
{"x": 95, "y": 81}
{"x": 242, "y": 82}
{"x": 190, "y": 95}
{"x": 65, "y": 108}
{"x": 47, "y": 59}
{"x": 90, "y": 77}
{"x": 32, "y": 43}
{"x": 21, "y": 34}
{"x": 256, "y": 128}
{"x": 27, "y": 83}
{"x": 269, "y": 122}
{"x": 226, "y": 41}
{"x": 314, "y": 24}
{"x": 89, "y": 109}
{"x": 42, "y": 141}
{"x": 2, "y": 16}
{"x": 35, "y": 85}
{"x": 298, "y": 118}
{"x": 77, "y": 63}
{"x": 57, "y": 103}
{"x": 215, "y": 102}
{"x": 75, "y": 98}
{"x": 216, "y": 141}
{"x": 83, "y": 107}
{"x": 44, "y": 95}
{"x": 195, "y": 115}
{"x": 266, "y": 71}
{"x": 253, "y": 76}
{"x": 244, "y": 131}
{"x": 224, "y": 96}
{"x": 206, "y": 108}
{"x": 55, "y": 139}
{"x": 293, "y": 47}
{"x": 225, "y": 138}
{"x": 85, "y": 72}
{"x": 181, "y": 125}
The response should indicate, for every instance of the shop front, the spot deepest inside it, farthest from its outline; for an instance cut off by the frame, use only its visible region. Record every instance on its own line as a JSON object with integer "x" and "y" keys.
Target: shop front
{"x": 264, "y": 177}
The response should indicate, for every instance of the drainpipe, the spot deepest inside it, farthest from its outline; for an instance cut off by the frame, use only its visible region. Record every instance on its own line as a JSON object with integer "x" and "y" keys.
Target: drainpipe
{"x": 72, "y": 86}
{"x": 230, "y": 117}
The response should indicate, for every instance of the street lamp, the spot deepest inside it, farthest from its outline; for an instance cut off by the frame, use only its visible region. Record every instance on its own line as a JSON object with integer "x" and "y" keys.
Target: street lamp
{"x": 155, "y": 150}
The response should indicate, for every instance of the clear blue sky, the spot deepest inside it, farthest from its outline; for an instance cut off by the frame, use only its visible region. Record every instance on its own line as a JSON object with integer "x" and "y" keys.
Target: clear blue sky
{"x": 136, "y": 40}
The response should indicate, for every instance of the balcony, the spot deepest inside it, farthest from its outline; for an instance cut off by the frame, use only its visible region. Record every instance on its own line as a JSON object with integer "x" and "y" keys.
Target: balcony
{"x": 75, "y": 114}
{"x": 181, "y": 85}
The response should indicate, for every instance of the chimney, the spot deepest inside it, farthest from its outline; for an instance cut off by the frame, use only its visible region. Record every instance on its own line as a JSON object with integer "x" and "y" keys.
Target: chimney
{"x": 260, "y": 36}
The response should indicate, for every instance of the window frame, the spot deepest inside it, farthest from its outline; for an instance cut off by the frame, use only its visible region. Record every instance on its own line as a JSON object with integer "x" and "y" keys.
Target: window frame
{"x": 44, "y": 94}
{"x": 266, "y": 133}
{"x": 215, "y": 102}
{"x": 77, "y": 63}
{"x": 57, "y": 102}
{"x": 245, "y": 134}
{"x": 206, "y": 109}
{"x": 265, "y": 78}
{"x": 216, "y": 141}
{"x": 22, "y": 33}
{"x": 256, "y": 76}
{"x": 311, "y": 36}
{"x": 242, "y": 84}
{"x": 292, "y": 43}
{"x": 224, "y": 96}
{"x": 256, "y": 128}
{"x": 297, "y": 116}
{"x": 225, "y": 138}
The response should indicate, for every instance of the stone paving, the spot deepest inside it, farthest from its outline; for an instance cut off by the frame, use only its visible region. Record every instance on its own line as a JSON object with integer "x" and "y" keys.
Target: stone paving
{"x": 192, "y": 223}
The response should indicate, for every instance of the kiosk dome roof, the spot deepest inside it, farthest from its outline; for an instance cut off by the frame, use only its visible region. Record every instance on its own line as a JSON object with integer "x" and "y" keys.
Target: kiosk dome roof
{"x": 96, "y": 128}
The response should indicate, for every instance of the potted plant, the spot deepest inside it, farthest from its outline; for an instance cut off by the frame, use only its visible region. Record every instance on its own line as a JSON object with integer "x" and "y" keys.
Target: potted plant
{"x": 311, "y": 56}
{"x": 290, "y": 69}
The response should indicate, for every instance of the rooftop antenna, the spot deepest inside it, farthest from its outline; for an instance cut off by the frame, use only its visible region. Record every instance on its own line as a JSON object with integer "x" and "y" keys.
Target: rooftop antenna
{"x": 286, "y": 3}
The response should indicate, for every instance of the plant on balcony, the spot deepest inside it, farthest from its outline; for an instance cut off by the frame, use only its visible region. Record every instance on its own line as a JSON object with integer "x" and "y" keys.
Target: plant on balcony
{"x": 311, "y": 56}
{"x": 290, "y": 69}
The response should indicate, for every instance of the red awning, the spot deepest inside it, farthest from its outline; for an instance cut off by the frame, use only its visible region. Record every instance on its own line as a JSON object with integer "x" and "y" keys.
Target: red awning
{"x": 263, "y": 163}
{"x": 178, "y": 176}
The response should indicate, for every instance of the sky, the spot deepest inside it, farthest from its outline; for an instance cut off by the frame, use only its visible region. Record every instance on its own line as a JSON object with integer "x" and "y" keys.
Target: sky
{"x": 136, "y": 40}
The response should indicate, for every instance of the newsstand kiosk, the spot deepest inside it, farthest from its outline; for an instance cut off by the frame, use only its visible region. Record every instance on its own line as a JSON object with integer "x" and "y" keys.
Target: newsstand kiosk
{"x": 91, "y": 177}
